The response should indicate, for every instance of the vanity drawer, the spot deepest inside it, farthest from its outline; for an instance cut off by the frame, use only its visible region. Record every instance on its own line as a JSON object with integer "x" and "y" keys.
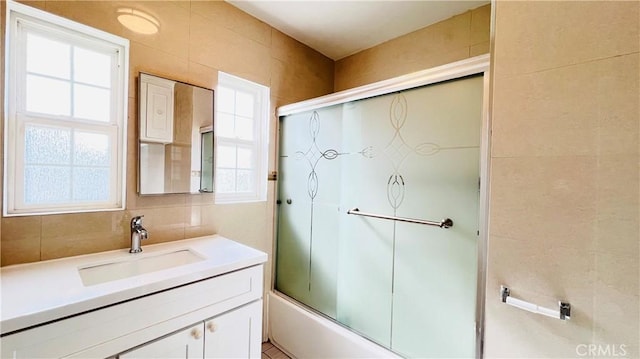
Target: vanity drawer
{"x": 110, "y": 330}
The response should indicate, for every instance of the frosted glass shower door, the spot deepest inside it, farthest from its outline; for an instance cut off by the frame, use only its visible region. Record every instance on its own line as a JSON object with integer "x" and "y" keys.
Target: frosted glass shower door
{"x": 435, "y": 274}
{"x": 412, "y": 287}
{"x": 415, "y": 154}
{"x": 309, "y": 195}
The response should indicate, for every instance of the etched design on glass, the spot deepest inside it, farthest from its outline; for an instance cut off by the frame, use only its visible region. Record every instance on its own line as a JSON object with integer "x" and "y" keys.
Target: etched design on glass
{"x": 313, "y": 155}
{"x": 367, "y": 152}
{"x": 397, "y": 150}
{"x": 395, "y": 190}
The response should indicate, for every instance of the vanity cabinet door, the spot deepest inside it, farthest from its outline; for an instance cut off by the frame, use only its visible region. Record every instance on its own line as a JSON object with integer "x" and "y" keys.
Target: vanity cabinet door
{"x": 235, "y": 334}
{"x": 187, "y": 343}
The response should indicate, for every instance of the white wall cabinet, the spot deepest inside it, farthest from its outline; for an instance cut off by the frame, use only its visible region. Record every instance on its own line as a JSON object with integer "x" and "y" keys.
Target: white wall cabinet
{"x": 156, "y": 109}
{"x": 235, "y": 334}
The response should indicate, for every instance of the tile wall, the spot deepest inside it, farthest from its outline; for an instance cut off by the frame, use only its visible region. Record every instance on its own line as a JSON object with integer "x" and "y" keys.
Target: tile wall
{"x": 457, "y": 38}
{"x": 565, "y": 178}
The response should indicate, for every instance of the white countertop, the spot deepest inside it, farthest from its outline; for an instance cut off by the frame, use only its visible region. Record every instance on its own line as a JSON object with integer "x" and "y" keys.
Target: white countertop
{"x": 36, "y": 293}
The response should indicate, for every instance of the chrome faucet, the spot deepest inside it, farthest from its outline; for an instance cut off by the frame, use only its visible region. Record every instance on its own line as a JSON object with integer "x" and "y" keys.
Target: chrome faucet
{"x": 138, "y": 233}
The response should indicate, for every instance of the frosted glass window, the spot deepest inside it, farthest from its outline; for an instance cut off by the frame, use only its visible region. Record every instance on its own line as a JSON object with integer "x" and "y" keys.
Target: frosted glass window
{"x": 46, "y": 145}
{"x": 91, "y": 184}
{"x": 92, "y": 67}
{"x": 48, "y": 57}
{"x": 92, "y": 103}
{"x": 47, "y": 184}
{"x": 65, "y": 127}
{"x": 226, "y": 180}
{"x": 243, "y": 180}
{"x": 92, "y": 149}
{"x": 49, "y": 96}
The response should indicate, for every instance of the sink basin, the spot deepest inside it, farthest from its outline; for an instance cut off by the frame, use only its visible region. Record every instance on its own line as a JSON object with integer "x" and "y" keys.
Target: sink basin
{"x": 136, "y": 265}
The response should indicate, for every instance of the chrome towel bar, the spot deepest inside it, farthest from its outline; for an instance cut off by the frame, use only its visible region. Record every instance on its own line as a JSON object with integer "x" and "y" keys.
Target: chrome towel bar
{"x": 445, "y": 223}
{"x": 563, "y": 313}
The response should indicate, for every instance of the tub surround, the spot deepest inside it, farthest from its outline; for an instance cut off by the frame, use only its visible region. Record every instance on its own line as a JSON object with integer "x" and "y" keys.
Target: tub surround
{"x": 565, "y": 178}
{"x": 37, "y": 293}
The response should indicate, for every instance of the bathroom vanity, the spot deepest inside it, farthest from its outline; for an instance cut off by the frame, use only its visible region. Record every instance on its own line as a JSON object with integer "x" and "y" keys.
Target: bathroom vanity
{"x": 195, "y": 298}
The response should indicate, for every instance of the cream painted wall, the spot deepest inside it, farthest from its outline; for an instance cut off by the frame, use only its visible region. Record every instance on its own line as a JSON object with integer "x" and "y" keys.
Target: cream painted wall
{"x": 565, "y": 178}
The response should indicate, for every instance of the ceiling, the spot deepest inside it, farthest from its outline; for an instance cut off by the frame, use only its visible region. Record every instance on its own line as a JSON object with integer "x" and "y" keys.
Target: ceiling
{"x": 341, "y": 28}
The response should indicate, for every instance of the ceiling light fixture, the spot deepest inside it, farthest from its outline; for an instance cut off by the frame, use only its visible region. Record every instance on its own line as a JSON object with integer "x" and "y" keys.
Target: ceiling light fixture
{"x": 138, "y": 21}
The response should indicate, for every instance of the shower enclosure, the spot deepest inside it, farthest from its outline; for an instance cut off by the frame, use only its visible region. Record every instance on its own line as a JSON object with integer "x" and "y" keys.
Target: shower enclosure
{"x": 365, "y": 188}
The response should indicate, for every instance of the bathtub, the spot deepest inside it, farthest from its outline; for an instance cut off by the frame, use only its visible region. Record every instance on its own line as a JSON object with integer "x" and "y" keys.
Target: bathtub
{"x": 301, "y": 333}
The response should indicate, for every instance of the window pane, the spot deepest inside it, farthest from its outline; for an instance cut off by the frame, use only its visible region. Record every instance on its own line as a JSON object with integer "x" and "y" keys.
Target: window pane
{"x": 226, "y": 100}
{"x": 91, "y": 184}
{"x": 244, "y": 104}
{"x": 46, "y": 184}
{"x": 245, "y": 158}
{"x": 244, "y": 128}
{"x": 48, "y": 57}
{"x": 225, "y": 125}
{"x": 92, "y": 67}
{"x": 225, "y": 180}
{"x": 226, "y": 157}
{"x": 91, "y": 103}
{"x": 47, "y": 145}
{"x": 91, "y": 149}
{"x": 48, "y": 96}
{"x": 244, "y": 181}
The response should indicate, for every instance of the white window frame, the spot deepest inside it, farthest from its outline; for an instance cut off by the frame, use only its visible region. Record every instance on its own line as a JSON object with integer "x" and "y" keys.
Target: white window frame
{"x": 18, "y": 18}
{"x": 260, "y": 143}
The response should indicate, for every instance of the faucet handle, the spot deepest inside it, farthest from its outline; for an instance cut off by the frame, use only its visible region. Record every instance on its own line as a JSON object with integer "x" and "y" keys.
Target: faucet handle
{"x": 136, "y": 221}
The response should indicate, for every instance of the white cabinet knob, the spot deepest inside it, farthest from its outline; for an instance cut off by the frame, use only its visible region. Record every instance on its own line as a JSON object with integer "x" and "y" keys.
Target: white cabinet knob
{"x": 196, "y": 333}
{"x": 212, "y": 327}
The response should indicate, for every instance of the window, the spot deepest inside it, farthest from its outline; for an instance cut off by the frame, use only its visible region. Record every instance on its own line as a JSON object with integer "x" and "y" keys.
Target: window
{"x": 66, "y": 105}
{"x": 241, "y": 122}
